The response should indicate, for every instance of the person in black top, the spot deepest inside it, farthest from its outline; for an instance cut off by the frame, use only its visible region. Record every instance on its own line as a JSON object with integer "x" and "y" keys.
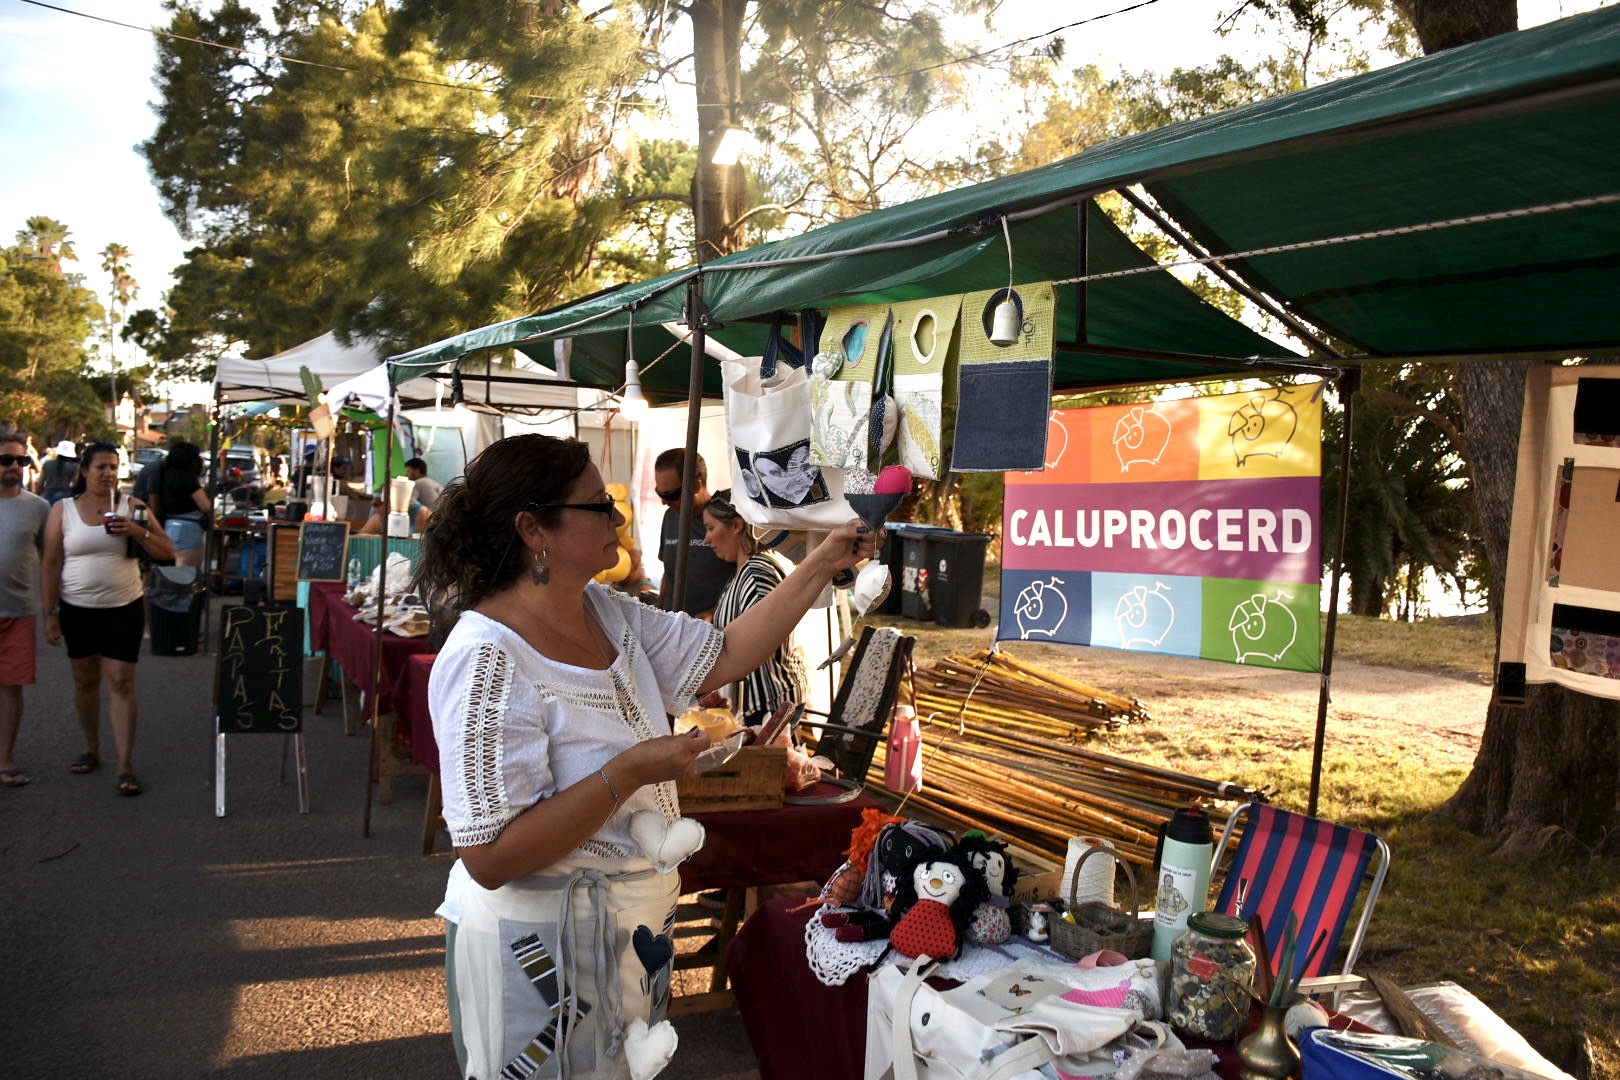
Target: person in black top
{"x": 706, "y": 572}
{"x": 179, "y": 503}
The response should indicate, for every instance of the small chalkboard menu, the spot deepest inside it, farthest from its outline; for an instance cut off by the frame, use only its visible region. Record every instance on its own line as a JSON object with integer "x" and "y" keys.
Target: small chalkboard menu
{"x": 260, "y": 678}
{"x": 323, "y": 550}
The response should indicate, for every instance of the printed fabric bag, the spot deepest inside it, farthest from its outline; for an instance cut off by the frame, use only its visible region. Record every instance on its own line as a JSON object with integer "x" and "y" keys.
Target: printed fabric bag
{"x": 976, "y": 1031}
{"x": 852, "y": 417}
{"x": 776, "y": 485}
{"x": 925, "y": 361}
{"x": 1004, "y": 392}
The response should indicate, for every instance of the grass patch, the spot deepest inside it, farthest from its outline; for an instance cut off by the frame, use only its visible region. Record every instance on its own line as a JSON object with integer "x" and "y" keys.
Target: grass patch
{"x": 1463, "y": 646}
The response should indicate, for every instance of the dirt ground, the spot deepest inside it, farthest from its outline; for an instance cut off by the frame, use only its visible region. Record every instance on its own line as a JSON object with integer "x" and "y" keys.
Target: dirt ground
{"x": 1434, "y": 720}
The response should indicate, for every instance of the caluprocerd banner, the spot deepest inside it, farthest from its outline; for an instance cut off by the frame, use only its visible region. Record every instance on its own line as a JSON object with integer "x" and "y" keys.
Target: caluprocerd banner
{"x": 1184, "y": 527}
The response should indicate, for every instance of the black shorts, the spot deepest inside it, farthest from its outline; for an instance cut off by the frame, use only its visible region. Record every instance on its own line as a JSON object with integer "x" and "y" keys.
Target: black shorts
{"x": 114, "y": 633}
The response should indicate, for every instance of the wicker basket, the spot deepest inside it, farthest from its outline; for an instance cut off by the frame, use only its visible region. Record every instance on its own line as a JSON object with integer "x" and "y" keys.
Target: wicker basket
{"x": 752, "y": 780}
{"x": 1097, "y": 925}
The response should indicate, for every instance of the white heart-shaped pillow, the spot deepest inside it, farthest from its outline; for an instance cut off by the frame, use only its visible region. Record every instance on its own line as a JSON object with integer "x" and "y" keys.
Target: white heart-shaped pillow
{"x": 666, "y": 843}
{"x": 648, "y": 1050}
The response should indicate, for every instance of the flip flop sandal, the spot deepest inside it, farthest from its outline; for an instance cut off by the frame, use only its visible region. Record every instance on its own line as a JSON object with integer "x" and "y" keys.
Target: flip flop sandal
{"x": 14, "y": 778}
{"x": 84, "y": 763}
{"x": 127, "y": 784}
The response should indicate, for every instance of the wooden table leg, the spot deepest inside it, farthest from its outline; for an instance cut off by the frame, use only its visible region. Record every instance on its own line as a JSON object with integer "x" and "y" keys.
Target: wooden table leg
{"x": 322, "y": 681}
{"x": 433, "y": 815}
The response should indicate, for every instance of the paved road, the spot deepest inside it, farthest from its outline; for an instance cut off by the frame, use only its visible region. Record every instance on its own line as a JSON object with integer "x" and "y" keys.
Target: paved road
{"x": 144, "y": 937}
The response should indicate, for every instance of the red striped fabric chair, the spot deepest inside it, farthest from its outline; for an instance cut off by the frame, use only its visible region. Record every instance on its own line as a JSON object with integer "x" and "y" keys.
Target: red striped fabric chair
{"x": 1289, "y": 863}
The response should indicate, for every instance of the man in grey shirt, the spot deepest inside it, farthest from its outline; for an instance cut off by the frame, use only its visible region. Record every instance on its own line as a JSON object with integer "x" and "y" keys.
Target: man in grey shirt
{"x": 22, "y": 537}
{"x": 426, "y": 490}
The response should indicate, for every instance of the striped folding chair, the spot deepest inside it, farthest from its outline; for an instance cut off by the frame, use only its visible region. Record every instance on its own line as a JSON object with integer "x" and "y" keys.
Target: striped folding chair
{"x": 1288, "y": 863}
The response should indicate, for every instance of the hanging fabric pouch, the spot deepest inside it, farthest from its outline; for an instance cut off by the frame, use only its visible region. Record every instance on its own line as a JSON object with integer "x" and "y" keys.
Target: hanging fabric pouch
{"x": 842, "y": 377}
{"x": 925, "y": 361}
{"x": 768, "y": 423}
{"x": 1004, "y": 392}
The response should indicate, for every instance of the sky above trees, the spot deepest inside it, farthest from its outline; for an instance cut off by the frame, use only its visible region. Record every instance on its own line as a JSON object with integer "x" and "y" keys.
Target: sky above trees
{"x": 75, "y": 94}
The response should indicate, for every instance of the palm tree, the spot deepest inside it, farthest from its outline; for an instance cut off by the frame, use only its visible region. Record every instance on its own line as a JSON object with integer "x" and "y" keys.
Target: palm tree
{"x": 46, "y": 238}
{"x": 115, "y": 261}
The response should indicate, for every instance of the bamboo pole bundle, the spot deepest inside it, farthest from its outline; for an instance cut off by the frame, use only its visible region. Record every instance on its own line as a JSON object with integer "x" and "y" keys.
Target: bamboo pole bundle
{"x": 1003, "y": 752}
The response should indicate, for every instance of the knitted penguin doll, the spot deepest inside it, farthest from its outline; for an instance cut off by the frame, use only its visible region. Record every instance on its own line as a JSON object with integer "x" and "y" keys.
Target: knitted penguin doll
{"x": 991, "y": 925}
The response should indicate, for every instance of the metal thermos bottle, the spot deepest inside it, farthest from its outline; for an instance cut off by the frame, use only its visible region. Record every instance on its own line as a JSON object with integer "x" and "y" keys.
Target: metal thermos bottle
{"x": 1186, "y": 845}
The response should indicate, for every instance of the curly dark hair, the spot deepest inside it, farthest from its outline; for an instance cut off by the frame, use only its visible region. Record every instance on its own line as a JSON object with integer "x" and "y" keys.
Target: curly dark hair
{"x": 470, "y": 549}
{"x": 185, "y": 459}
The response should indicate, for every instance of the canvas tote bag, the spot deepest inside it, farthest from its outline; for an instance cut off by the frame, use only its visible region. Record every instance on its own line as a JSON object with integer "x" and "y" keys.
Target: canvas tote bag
{"x": 777, "y": 485}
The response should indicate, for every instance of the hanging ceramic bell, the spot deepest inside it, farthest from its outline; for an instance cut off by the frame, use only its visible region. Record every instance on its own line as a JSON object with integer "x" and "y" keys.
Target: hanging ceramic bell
{"x": 1007, "y": 321}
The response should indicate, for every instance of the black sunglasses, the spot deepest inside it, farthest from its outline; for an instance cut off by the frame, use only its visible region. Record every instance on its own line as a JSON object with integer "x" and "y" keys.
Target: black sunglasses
{"x": 15, "y": 459}
{"x": 668, "y": 496}
{"x": 605, "y": 507}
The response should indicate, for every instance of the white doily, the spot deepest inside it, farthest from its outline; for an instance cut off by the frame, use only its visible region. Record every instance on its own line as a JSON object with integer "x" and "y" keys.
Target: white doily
{"x": 833, "y": 961}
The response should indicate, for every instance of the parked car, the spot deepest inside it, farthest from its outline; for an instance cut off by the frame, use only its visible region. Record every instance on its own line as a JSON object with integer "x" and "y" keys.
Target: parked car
{"x": 145, "y": 456}
{"x": 245, "y": 459}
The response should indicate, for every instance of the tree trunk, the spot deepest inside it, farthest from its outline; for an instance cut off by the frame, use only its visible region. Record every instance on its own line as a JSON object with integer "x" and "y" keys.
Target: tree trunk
{"x": 719, "y": 192}
{"x": 1545, "y": 774}
{"x": 1442, "y": 24}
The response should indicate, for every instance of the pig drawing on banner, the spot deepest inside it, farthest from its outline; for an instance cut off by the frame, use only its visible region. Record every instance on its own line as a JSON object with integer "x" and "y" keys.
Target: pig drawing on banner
{"x": 1140, "y": 437}
{"x": 1145, "y": 616}
{"x": 1057, "y": 440}
{"x": 1041, "y": 608}
{"x": 1263, "y": 427}
{"x": 1263, "y": 626}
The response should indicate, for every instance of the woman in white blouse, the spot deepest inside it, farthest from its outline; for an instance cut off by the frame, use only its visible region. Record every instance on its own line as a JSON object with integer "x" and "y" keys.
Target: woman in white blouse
{"x": 550, "y": 703}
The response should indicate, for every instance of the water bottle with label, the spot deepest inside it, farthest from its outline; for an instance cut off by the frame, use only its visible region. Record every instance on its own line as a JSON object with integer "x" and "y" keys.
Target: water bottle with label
{"x": 1186, "y": 845}
{"x": 354, "y": 572}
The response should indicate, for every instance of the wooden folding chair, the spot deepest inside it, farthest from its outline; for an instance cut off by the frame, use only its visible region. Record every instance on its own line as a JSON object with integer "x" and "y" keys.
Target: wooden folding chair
{"x": 1289, "y": 863}
{"x": 865, "y": 701}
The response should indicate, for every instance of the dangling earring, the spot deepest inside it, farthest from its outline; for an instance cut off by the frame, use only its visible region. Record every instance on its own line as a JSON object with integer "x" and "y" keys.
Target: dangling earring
{"x": 540, "y": 573}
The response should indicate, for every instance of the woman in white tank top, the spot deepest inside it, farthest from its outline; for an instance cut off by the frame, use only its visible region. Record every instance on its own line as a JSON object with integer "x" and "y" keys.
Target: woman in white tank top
{"x": 92, "y": 590}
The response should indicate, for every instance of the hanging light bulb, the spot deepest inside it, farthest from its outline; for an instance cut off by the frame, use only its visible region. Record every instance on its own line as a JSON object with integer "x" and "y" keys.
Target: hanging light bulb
{"x": 632, "y": 402}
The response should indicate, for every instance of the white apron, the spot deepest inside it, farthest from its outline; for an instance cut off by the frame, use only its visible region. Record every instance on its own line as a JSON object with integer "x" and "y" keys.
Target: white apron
{"x": 547, "y": 962}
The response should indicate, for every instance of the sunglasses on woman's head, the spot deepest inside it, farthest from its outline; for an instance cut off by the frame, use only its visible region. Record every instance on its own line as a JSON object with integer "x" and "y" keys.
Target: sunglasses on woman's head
{"x": 15, "y": 459}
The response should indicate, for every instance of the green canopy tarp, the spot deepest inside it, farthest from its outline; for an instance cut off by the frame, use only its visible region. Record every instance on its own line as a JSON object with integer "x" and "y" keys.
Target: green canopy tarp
{"x": 1465, "y": 203}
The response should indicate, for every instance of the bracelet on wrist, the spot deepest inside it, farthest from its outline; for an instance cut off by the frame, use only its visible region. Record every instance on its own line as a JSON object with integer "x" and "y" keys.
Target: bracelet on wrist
{"x": 617, "y": 802}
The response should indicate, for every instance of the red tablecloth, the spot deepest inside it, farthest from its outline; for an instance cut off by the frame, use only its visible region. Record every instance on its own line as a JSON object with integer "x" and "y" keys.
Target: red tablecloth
{"x": 332, "y": 627}
{"x": 746, "y": 848}
{"x": 411, "y": 706}
{"x": 802, "y": 1030}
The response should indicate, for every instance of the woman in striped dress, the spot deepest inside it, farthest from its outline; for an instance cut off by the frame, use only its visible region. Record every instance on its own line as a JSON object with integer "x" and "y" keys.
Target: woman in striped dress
{"x": 781, "y": 679}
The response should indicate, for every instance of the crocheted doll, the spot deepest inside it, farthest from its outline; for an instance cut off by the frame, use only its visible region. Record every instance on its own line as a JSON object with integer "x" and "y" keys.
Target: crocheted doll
{"x": 900, "y": 846}
{"x": 990, "y": 925}
{"x": 933, "y": 909}
{"x": 844, "y": 887}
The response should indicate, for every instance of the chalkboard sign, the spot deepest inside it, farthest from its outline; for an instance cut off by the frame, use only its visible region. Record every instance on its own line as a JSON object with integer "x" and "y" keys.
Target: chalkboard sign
{"x": 323, "y": 550}
{"x": 260, "y": 679}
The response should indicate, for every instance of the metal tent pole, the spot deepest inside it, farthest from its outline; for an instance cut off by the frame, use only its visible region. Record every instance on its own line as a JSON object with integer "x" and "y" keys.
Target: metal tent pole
{"x": 377, "y": 748}
{"x": 1349, "y": 383}
{"x": 698, "y": 321}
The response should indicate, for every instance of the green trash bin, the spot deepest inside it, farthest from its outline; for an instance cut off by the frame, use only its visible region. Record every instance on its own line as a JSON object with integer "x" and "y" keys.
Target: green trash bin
{"x": 956, "y": 577}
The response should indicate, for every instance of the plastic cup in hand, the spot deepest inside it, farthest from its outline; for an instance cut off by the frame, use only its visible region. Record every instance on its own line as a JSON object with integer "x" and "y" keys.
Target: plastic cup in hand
{"x": 107, "y": 520}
